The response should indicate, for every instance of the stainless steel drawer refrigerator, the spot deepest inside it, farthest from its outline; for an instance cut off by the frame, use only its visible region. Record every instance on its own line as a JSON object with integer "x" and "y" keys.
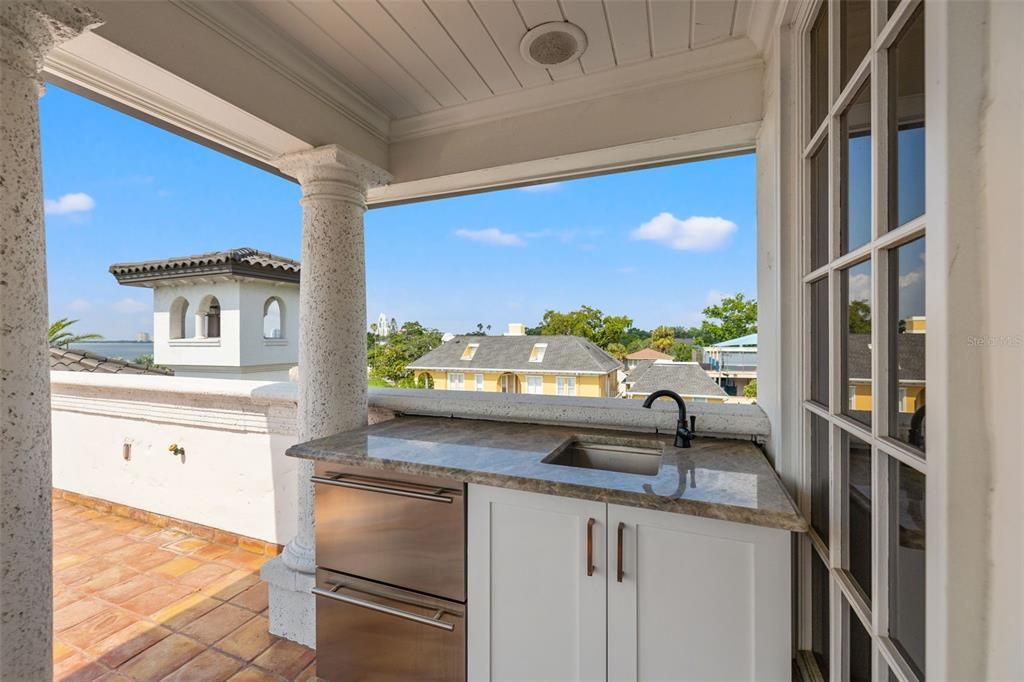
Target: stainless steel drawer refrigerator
{"x": 391, "y": 576}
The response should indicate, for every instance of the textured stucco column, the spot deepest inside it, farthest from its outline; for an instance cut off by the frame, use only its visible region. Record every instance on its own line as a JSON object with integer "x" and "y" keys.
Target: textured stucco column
{"x": 28, "y": 30}
{"x": 332, "y": 350}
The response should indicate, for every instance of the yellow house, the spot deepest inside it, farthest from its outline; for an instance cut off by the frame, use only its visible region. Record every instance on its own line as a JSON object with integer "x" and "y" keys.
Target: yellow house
{"x": 541, "y": 365}
{"x": 908, "y": 397}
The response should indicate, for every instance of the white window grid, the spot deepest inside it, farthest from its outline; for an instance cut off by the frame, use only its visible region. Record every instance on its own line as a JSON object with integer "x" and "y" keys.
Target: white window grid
{"x": 565, "y": 385}
{"x": 846, "y": 598}
{"x": 456, "y": 381}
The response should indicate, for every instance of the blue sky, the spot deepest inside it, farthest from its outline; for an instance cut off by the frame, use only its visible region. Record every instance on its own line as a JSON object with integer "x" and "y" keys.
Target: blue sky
{"x": 657, "y": 245}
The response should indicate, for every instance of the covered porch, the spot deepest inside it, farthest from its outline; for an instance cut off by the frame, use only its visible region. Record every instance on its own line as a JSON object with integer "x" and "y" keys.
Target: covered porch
{"x": 369, "y": 104}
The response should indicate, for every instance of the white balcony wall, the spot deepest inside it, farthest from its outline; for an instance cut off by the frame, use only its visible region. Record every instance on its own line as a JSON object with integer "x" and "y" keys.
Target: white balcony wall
{"x": 233, "y": 474}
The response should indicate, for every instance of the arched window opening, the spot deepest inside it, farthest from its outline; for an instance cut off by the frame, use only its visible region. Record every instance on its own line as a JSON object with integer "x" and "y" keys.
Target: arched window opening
{"x": 179, "y": 318}
{"x": 208, "y": 318}
{"x": 273, "y": 318}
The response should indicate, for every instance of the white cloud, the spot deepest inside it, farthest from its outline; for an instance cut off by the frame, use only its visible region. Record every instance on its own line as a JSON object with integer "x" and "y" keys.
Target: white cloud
{"x": 910, "y": 279}
{"x": 130, "y": 306}
{"x": 696, "y": 233}
{"x": 714, "y": 297}
{"x": 548, "y": 187}
{"x": 492, "y": 236}
{"x": 77, "y": 202}
{"x": 80, "y": 305}
{"x": 859, "y": 287}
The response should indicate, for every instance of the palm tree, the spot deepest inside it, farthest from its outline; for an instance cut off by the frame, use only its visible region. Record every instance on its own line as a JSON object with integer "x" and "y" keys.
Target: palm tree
{"x": 62, "y": 338}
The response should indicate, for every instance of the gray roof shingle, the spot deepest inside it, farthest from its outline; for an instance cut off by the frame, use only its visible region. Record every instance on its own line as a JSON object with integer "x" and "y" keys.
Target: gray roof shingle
{"x": 67, "y": 360}
{"x": 910, "y": 359}
{"x": 685, "y": 378}
{"x": 512, "y": 353}
{"x": 245, "y": 261}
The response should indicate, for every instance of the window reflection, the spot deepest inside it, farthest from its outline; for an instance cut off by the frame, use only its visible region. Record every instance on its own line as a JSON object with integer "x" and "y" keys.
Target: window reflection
{"x": 858, "y": 469}
{"x": 856, "y": 35}
{"x": 859, "y": 652}
{"x": 820, "y": 614}
{"x": 856, "y": 340}
{"x": 906, "y": 123}
{"x": 819, "y": 476}
{"x": 819, "y": 67}
{"x": 907, "y": 563}
{"x": 819, "y": 341}
{"x": 819, "y": 207}
{"x": 855, "y": 225}
{"x": 908, "y": 326}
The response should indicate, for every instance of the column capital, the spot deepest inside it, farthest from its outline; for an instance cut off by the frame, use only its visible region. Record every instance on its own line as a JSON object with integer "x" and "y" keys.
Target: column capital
{"x": 30, "y": 29}
{"x": 332, "y": 172}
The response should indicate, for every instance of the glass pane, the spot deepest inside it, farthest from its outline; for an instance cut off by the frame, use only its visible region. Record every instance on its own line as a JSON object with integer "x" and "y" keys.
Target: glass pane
{"x": 908, "y": 330}
{"x": 819, "y": 476}
{"x": 855, "y": 16}
{"x": 855, "y": 217}
{"x": 819, "y": 68}
{"x": 819, "y": 207}
{"x": 819, "y": 341}
{"x": 891, "y": 6}
{"x": 906, "y": 123}
{"x": 820, "y": 614}
{"x": 906, "y": 569}
{"x": 858, "y": 470}
{"x": 856, "y": 342}
{"x": 859, "y": 652}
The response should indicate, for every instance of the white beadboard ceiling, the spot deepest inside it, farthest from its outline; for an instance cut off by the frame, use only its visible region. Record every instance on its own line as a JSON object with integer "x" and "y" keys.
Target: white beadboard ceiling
{"x": 414, "y": 57}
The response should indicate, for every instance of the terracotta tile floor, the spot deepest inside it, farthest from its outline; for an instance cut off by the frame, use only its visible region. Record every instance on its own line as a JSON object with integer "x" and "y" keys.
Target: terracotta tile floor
{"x": 134, "y": 602}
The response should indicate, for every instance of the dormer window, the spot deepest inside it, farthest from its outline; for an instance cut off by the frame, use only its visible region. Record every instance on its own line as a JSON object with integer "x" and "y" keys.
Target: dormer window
{"x": 470, "y": 351}
{"x": 537, "y": 354}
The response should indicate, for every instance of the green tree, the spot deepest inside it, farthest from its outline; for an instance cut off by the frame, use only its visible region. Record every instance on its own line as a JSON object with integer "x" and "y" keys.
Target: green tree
{"x": 733, "y": 317}
{"x": 389, "y": 361}
{"x": 682, "y": 351}
{"x": 859, "y": 317}
{"x": 60, "y": 336}
{"x": 662, "y": 338}
{"x": 480, "y": 330}
{"x": 590, "y": 323}
{"x": 616, "y": 350}
{"x": 750, "y": 390}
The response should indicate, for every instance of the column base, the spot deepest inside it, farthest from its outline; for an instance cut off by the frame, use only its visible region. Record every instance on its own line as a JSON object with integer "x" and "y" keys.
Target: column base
{"x": 292, "y": 604}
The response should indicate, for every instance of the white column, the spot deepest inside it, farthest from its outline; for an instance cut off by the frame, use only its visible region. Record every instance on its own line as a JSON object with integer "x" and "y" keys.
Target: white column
{"x": 28, "y": 30}
{"x": 332, "y": 350}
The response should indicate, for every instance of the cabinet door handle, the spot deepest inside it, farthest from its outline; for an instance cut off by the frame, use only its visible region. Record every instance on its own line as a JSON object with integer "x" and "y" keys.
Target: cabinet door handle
{"x": 590, "y": 547}
{"x": 619, "y": 573}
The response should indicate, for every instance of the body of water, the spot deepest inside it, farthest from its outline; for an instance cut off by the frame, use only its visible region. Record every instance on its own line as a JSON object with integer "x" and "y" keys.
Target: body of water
{"x": 125, "y": 350}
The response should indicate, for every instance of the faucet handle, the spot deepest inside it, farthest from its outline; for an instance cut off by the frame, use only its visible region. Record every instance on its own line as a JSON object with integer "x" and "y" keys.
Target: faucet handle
{"x": 693, "y": 423}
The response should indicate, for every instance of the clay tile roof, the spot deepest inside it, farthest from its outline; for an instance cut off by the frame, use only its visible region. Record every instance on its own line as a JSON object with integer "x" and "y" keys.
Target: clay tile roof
{"x": 648, "y": 354}
{"x": 246, "y": 262}
{"x": 67, "y": 360}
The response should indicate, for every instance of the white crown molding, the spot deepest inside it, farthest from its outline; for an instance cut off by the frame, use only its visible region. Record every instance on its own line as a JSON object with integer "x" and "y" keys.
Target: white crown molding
{"x": 721, "y": 58}
{"x": 241, "y": 26}
{"x": 98, "y": 65}
{"x": 705, "y": 143}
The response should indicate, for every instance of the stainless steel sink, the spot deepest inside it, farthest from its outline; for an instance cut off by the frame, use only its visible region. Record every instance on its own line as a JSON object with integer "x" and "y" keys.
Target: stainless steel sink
{"x": 626, "y": 457}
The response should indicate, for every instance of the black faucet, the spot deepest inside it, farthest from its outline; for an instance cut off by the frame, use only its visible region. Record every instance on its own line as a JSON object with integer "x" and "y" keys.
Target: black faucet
{"x": 683, "y": 433}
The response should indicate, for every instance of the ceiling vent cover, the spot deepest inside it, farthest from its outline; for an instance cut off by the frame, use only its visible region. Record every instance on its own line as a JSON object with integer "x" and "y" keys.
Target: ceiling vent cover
{"x": 554, "y": 43}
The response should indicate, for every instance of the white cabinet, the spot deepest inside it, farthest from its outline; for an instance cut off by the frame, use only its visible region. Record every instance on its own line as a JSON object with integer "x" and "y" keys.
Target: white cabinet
{"x": 533, "y": 612}
{"x": 698, "y": 599}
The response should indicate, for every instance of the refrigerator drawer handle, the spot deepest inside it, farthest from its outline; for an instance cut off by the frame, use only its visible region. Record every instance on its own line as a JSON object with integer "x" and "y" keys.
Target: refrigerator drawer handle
{"x": 373, "y": 488}
{"x": 434, "y": 622}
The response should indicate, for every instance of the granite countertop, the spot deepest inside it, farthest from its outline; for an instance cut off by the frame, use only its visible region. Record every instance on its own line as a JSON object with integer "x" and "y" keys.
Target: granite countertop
{"x": 715, "y": 478}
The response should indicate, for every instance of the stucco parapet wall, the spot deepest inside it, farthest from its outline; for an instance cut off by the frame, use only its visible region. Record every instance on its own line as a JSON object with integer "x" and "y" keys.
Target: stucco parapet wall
{"x": 270, "y": 406}
{"x": 225, "y": 404}
{"x": 719, "y": 419}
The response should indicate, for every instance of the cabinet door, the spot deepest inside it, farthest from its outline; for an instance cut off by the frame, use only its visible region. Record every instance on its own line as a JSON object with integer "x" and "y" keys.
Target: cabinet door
{"x": 533, "y": 612}
{"x": 699, "y": 599}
